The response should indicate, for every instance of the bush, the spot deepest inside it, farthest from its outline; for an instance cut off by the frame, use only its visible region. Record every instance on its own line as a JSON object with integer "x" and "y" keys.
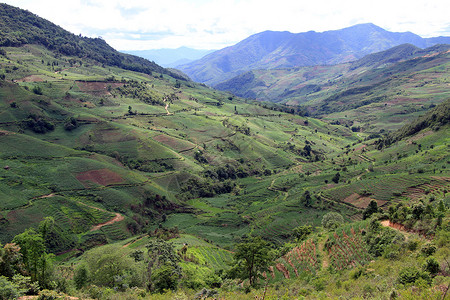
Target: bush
{"x": 410, "y": 275}
{"x": 38, "y": 124}
{"x": 332, "y": 220}
{"x": 381, "y": 239}
{"x": 70, "y": 124}
{"x": 37, "y": 90}
{"x": 428, "y": 249}
{"x": 412, "y": 245}
{"x": 165, "y": 278}
{"x": 432, "y": 266}
{"x": 8, "y": 290}
{"x": 81, "y": 276}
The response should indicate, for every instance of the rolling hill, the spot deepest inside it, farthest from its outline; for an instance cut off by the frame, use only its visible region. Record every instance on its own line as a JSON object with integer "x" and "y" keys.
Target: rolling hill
{"x": 271, "y": 49}
{"x": 390, "y": 86}
{"x": 99, "y": 160}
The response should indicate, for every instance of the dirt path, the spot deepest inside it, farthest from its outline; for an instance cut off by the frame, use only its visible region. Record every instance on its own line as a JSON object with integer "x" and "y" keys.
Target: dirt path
{"x": 117, "y": 218}
{"x": 407, "y": 233}
{"x": 325, "y": 258}
{"x": 167, "y": 107}
{"x": 134, "y": 241}
{"x": 48, "y": 196}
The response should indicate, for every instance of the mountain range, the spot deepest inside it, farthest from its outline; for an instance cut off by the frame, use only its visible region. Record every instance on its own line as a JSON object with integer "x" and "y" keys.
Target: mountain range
{"x": 274, "y": 49}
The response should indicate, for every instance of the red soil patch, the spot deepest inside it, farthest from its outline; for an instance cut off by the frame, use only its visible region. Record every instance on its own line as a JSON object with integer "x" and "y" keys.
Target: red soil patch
{"x": 5, "y": 132}
{"x": 402, "y": 228}
{"x": 174, "y": 143}
{"x": 401, "y": 100}
{"x": 102, "y": 177}
{"x": 419, "y": 136}
{"x": 283, "y": 269}
{"x": 362, "y": 202}
{"x": 97, "y": 87}
{"x": 31, "y": 78}
{"x": 360, "y": 148}
{"x": 387, "y": 223}
{"x": 298, "y": 122}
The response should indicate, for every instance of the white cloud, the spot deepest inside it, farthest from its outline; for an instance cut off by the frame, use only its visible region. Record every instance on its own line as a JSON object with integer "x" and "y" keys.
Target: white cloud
{"x": 213, "y": 24}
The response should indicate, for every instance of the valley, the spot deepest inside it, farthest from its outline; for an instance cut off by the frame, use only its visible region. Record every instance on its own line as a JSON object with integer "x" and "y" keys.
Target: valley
{"x": 134, "y": 182}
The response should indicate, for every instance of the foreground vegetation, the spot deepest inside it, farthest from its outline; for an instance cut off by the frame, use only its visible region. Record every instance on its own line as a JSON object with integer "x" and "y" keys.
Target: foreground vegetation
{"x": 121, "y": 184}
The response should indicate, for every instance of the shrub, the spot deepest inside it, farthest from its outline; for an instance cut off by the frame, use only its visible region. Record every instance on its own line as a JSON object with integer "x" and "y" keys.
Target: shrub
{"x": 332, "y": 220}
{"x": 412, "y": 245}
{"x": 165, "y": 278}
{"x": 410, "y": 275}
{"x": 428, "y": 249}
{"x": 8, "y": 290}
{"x": 432, "y": 266}
{"x": 38, "y": 124}
{"x": 37, "y": 90}
{"x": 81, "y": 276}
{"x": 70, "y": 124}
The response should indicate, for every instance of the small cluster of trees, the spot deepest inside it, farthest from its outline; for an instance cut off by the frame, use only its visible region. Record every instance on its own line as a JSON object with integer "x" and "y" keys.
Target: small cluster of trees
{"x": 196, "y": 187}
{"x": 38, "y": 124}
{"x": 141, "y": 91}
{"x": 25, "y": 264}
{"x": 426, "y": 217}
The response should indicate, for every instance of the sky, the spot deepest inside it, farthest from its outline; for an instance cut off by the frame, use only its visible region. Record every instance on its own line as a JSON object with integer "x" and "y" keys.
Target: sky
{"x": 215, "y": 24}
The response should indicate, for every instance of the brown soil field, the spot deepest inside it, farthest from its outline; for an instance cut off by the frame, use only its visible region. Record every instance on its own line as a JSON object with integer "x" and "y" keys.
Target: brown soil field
{"x": 362, "y": 202}
{"x": 31, "y": 78}
{"x": 97, "y": 87}
{"x": 102, "y": 177}
{"x": 174, "y": 143}
{"x": 419, "y": 136}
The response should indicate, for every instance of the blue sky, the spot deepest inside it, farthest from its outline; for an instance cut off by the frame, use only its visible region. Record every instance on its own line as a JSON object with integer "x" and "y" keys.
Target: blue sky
{"x": 214, "y": 24}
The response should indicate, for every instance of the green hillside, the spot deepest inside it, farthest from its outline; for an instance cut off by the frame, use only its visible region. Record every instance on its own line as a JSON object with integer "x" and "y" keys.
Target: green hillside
{"x": 118, "y": 183}
{"x": 381, "y": 91}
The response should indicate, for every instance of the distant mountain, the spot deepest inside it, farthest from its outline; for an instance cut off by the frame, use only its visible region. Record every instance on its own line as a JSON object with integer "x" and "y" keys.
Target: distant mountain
{"x": 271, "y": 49}
{"x": 171, "y": 58}
{"x": 19, "y": 27}
{"x": 387, "y": 82}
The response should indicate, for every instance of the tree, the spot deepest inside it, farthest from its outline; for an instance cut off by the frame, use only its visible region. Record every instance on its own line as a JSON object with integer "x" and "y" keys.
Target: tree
{"x": 370, "y": 209}
{"x": 70, "y": 124}
{"x": 32, "y": 248}
{"x": 301, "y": 232}
{"x": 37, "y": 90}
{"x": 81, "y": 276}
{"x": 306, "y": 198}
{"x": 432, "y": 266}
{"x": 164, "y": 278}
{"x": 45, "y": 226}
{"x": 251, "y": 259}
{"x": 336, "y": 178}
{"x": 110, "y": 266}
{"x": 10, "y": 260}
{"x": 163, "y": 269}
{"x": 8, "y": 290}
{"x": 332, "y": 220}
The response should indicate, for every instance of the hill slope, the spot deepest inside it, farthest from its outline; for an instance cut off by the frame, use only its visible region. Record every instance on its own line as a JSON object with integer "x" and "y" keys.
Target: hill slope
{"x": 392, "y": 85}
{"x": 269, "y": 50}
{"x": 19, "y": 27}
